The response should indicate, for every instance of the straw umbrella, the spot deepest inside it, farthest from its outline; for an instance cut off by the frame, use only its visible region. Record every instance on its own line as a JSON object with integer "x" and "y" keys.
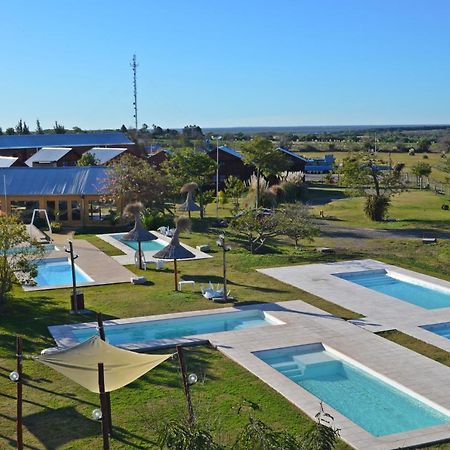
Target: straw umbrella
{"x": 189, "y": 205}
{"x": 175, "y": 250}
{"x": 138, "y": 233}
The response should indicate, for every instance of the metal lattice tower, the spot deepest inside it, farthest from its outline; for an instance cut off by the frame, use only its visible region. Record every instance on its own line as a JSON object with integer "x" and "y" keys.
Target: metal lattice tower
{"x": 134, "y": 66}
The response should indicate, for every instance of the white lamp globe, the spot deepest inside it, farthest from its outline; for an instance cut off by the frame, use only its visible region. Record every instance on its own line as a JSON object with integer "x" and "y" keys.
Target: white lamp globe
{"x": 192, "y": 378}
{"x": 97, "y": 414}
{"x": 14, "y": 376}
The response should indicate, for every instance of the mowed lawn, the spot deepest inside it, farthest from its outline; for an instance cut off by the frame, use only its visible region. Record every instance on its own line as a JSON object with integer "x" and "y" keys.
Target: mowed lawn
{"x": 415, "y": 208}
{"x": 57, "y": 412}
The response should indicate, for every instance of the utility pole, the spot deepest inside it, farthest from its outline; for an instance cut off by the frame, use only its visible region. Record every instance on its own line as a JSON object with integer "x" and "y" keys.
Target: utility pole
{"x": 134, "y": 66}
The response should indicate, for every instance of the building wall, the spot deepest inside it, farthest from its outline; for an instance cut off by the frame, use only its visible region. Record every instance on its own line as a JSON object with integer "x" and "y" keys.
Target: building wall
{"x": 70, "y": 210}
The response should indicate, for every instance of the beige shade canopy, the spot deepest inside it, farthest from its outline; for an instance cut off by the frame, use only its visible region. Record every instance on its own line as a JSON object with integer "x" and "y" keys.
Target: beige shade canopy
{"x": 80, "y": 364}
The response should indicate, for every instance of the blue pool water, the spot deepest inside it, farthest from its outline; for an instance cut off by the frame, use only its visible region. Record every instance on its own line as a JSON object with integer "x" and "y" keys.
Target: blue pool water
{"x": 151, "y": 330}
{"x": 366, "y": 400}
{"x": 441, "y": 329}
{"x": 46, "y": 247}
{"x": 425, "y": 296}
{"x": 147, "y": 246}
{"x": 59, "y": 273}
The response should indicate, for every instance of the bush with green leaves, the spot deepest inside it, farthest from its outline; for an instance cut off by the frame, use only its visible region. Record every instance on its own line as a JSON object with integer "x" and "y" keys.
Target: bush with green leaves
{"x": 235, "y": 189}
{"x": 295, "y": 222}
{"x": 14, "y": 237}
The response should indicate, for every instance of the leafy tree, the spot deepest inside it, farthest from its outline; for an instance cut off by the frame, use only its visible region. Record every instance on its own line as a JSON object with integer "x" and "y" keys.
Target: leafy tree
{"x": 193, "y": 132}
{"x": 123, "y": 129}
{"x": 421, "y": 170}
{"x": 77, "y": 130}
{"x": 25, "y": 129}
{"x": 423, "y": 145}
{"x": 19, "y": 127}
{"x": 295, "y": 222}
{"x": 234, "y": 188}
{"x": 133, "y": 179}
{"x": 366, "y": 175}
{"x": 256, "y": 226}
{"x": 88, "y": 159}
{"x": 10, "y": 131}
{"x": 184, "y": 436}
{"x": 1, "y": 131}
{"x": 39, "y": 129}
{"x": 322, "y": 435}
{"x": 58, "y": 128}
{"x": 266, "y": 159}
{"x": 13, "y": 233}
{"x": 257, "y": 435}
{"x": 188, "y": 165}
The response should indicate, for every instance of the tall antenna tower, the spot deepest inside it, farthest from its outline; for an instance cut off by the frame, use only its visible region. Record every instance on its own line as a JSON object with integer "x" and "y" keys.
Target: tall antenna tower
{"x": 134, "y": 66}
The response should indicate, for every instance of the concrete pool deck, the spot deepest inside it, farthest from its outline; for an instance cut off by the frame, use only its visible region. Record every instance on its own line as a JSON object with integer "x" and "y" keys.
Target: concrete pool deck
{"x": 305, "y": 324}
{"x": 128, "y": 257}
{"x": 381, "y": 312}
{"x": 92, "y": 261}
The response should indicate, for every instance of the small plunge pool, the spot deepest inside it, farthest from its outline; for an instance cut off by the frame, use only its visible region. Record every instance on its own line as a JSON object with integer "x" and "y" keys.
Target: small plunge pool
{"x": 366, "y": 399}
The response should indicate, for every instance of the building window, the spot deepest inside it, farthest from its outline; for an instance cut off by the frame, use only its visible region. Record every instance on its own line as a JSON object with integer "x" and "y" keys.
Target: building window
{"x": 63, "y": 213}
{"x": 76, "y": 210}
{"x": 24, "y": 209}
{"x": 101, "y": 210}
{"x": 51, "y": 209}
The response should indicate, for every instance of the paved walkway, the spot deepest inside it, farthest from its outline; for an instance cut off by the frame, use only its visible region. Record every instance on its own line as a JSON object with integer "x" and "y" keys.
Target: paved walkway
{"x": 303, "y": 324}
{"x": 99, "y": 266}
{"x": 381, "y": 312}
{"x": 335, "y": 230}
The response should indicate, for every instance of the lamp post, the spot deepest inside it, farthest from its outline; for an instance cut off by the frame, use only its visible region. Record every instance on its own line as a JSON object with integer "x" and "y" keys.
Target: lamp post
{"x": 75, "y": 295}
{"x": 225, "y": 248}
{"x": 188, "y": 380}
{"x": 16, "y": 377}
{"x": 217, "y": 138}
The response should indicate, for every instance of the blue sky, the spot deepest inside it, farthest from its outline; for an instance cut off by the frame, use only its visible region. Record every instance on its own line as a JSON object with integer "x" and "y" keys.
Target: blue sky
{"x": 229, "y": 63}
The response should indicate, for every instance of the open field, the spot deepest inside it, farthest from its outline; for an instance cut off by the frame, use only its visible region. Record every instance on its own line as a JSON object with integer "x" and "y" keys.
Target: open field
{"x": 414, "y": 208}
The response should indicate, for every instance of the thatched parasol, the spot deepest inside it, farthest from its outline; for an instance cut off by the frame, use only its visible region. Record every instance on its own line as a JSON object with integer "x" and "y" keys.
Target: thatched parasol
{"x": 189, "y": 205}
{"x": 175, "y": 250}
{"x": 138, "y": 233}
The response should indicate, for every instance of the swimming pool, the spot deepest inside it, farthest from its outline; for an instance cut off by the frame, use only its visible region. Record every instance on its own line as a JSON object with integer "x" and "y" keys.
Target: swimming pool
{"x": 371, "y": 402}
{"x": 146, "y": 246}
{"x": 166, "y": 329}
{"x": 31, "y": 249}
{"x": 58, "y": 272}
{"x": 441, "y": 329}
{"x": 408, "y": 289}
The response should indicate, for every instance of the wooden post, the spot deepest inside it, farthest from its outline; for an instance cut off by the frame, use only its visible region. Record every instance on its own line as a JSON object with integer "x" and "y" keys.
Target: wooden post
{"x": 101, "y": 388}
{"x": 176, "y": 273}
{"x": 101, "y": 332}
{"x": 19, "y": 357}
{"x": 187, "y": 391}
{"x": 140, "y": 253}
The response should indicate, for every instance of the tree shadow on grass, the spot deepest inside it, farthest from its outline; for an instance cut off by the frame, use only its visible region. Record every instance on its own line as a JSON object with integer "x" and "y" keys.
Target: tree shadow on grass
{"x": 55, "y": 428}
{"x": 30, "y": 317}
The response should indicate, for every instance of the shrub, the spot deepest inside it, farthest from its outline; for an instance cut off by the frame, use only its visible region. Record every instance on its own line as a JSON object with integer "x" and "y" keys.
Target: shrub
{"x": 291, "y": 191}
{"x": 56, "y": 226}
{"x": 376, "y": 207}
{"x": 154, "y": 220}
{"x": 279, "y": 192}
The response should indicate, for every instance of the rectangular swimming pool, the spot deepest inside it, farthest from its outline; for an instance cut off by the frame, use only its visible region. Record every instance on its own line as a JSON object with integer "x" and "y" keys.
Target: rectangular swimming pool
{"x": 366, "y": 399}
{"x": 58, "y": 272}
{"x": 147, "y": 246}
{"x": 408, "y": 289}
{"x": 441, "y": 329}
{"x": 152, "y": 330}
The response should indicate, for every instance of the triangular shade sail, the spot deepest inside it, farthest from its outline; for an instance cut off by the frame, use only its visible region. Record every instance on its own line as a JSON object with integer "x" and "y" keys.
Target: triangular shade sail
{"x": 80, "y": 364}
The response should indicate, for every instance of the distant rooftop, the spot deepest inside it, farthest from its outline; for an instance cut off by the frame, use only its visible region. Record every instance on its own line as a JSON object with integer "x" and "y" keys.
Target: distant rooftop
{"x": 7, "y": 161}
{"x": 104, "y": 155}
{"x": 230, "y": 151}
{"x": 47, "y": 155}
{"x": 53, "y": 180}
{"x": 63, "y": 140}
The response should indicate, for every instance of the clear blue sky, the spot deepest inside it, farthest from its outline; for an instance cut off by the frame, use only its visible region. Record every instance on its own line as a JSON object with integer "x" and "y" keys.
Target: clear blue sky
{"x": 228, "y": 63}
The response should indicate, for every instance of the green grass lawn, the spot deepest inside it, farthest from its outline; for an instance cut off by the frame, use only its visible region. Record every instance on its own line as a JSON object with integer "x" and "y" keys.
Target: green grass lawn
{"x": 409, "y": 209}
{"x": 54, "y": 403}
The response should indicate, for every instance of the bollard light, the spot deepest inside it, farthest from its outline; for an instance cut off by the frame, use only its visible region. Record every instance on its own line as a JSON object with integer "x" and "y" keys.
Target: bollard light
{"x": 192, "y": 378}
{"x": 14, "y": 376}
{"x": 97, "y": 414}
